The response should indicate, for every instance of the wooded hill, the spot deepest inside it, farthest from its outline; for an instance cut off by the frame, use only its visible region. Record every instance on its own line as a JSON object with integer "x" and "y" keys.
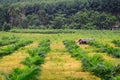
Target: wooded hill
{"x": 59, "y": 14}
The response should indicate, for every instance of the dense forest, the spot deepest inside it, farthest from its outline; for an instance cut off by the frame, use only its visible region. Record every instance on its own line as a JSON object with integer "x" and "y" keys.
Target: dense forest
{"x": 59, "y": 14}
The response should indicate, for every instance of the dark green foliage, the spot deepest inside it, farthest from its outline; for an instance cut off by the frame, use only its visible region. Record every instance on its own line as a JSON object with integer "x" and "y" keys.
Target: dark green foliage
{"x": 117, "y": 70}
{"x": 116, "y": 42}
{"x": 90, "y": 62}
{"x": 59, "y": 14}
{"x": 36, "y": 60}
{"x": 104, "y": 70}
{"x": 6, "y": 27}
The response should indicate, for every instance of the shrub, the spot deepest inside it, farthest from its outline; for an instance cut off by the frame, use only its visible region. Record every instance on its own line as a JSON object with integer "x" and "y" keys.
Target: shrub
{"x": 27, "y": 73}
{"x": 90, "y": 62}
{"x": 116, "y": 42}
{"x": 36, "y": 60}
{"x": 104, "y": 70}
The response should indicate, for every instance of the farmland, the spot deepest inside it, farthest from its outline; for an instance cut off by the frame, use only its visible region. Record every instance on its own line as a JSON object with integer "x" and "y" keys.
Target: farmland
{"x": 56, "y": 55}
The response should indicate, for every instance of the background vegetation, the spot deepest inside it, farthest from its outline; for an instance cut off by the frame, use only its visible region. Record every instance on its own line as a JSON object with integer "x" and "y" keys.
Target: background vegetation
{"x": 59, "y": 14}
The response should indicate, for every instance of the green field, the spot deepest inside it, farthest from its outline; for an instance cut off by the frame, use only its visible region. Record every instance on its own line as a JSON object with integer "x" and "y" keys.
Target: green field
{"x": 54, "y": 60}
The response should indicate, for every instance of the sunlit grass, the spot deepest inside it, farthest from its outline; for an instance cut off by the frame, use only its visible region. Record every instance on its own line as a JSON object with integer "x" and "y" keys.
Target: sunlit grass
{"x": 58, "y": 64}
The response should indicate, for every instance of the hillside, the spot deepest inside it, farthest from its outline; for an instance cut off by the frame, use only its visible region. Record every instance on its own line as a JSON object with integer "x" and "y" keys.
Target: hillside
{"x": 59, "y": 14}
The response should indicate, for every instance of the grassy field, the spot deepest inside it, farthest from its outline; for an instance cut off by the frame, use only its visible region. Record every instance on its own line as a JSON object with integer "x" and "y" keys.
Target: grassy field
{"x": 58, "y": 63}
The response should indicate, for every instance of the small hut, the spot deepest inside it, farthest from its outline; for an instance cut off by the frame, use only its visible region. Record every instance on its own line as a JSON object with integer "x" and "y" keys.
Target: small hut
{"x": 85, "y": 40}
{"x": 116, "y": 27}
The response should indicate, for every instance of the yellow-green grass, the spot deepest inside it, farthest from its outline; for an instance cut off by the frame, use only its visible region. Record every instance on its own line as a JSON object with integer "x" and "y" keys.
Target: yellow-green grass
{"x": 8, "y": 63}
{"x": 58, "y": 64}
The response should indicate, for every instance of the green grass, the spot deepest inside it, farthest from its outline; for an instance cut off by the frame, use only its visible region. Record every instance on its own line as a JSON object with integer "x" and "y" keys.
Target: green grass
{"x": 57, "y": 36}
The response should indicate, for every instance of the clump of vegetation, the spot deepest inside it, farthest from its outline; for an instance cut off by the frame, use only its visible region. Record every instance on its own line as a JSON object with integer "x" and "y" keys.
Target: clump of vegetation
{"x": 90, "y": 62}
{"x": 36, "y": 60}
{"x": 27, "y": 73}
{"x": 116, "y": 42}
{"x": 74, "y": 49}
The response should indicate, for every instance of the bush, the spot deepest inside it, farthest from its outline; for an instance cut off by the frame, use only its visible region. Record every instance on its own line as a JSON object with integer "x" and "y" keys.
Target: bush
{"x": 90, "y": 62}
{"x": 104, "y": 70}
{"x": 116, "y": 42}
{"x": 36, "y": 60}
{"x": 27, "y": 73}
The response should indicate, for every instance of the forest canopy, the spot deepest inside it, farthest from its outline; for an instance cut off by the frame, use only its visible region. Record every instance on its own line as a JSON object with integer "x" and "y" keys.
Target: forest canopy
{"x": 59, "y": 14}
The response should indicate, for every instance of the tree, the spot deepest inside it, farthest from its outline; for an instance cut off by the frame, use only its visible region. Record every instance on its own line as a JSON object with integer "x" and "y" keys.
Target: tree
{"x": 6, "y": 27}
{"x": 59, "y": 21}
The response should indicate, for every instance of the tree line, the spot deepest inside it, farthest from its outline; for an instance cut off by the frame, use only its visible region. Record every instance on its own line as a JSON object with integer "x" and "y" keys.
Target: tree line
{"x": 56, "y": 14}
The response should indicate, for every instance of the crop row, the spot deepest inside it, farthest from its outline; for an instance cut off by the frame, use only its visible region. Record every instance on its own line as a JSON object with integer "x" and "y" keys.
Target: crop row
{"x": 42, "y": 31}
{"x": 95, "y": 64}
{"x": 32, "y": 64}
{"x": 116, "y": 42}
{"x": 10, "y": 49}
{"x": 8, "y": 40}
{"x": 107, "y": 49}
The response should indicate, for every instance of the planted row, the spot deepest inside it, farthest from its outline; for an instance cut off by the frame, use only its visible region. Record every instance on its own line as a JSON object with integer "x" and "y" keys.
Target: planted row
{"x": 8, "y": 40}
{"x": 95, "y": 64}
{"x": 32, "y": 64}
{"x": 116, "y": 42}
{"x": 10, "y": 49}
{"x": 107, "y": 49}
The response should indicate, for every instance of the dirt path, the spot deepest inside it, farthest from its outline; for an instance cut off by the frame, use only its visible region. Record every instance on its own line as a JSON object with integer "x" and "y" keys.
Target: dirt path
{"x": 59, "y": 65}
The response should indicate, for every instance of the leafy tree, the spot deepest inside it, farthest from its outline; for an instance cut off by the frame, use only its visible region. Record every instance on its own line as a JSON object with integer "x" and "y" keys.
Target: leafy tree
{"x": 6, "y": 27}
{"x": 58, "y": 22}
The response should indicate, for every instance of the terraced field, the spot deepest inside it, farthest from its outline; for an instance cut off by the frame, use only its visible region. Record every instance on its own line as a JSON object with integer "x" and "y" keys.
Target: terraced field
{"x": 58, "y": 56}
